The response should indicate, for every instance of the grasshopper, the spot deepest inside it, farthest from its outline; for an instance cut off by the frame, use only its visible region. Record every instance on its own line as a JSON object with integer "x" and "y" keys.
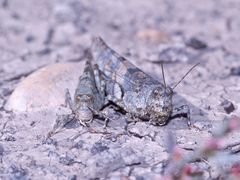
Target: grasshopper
{"x": 137, "y": 93}
{"x": 89, "y": 98}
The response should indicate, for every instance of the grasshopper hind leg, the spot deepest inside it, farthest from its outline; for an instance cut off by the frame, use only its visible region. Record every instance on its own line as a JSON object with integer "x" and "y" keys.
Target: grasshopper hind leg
{"x": 114, "y": 91}
{"x": 63, "y": 120}
{"x": 99, "y": 80}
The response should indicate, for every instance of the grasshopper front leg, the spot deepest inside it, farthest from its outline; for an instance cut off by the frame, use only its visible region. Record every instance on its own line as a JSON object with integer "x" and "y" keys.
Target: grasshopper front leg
{"x": 102, "y": 116}
{"x": 68, "y": 100}
{"x": 72, "y": 106}
{"x": 182, "y": 111}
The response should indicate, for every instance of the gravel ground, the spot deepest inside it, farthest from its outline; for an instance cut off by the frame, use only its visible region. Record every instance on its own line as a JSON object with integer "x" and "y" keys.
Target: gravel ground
{"x": 53, "y": 36}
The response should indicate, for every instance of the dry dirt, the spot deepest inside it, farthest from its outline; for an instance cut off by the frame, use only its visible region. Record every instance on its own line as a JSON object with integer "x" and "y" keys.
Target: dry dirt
{"x": 36, "y": 34}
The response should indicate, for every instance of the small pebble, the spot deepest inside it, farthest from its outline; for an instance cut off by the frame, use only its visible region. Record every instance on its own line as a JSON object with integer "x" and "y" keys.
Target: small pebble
{"x": 98, "y": 148}
{"x": 2, "y": 101}
{"x": 5, "y": 3}
{"x": 228, "y": 106}
{"x": 1, "y": 150}
{"x": 196, "y": 44}
{"x": 73, "y": 177}
{"x": 44, "y": 51}
{"x": 66, "y": 160}
{"x": 153, "y": 36}
{"x": 79, "y": 144}
{"x": 9, "y": 138}
{"x": 32, "y": 123}
{"x": 18, "y": 172}
{"x": 235, "y": 71}
{"x": 201, "y": 125}
{"x": 29, "y": 38}
{"x": 50, "y": 141}
{"x": 158, "y": 168}
{"x": 6, "y": 92}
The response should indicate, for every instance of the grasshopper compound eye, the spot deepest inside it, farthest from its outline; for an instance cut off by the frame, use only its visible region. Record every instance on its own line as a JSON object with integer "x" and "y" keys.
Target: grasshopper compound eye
{"x": 78, "y": 98}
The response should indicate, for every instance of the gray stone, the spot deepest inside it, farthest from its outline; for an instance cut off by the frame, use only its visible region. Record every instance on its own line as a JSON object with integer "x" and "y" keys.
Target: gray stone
{"x": 45, "y": 88}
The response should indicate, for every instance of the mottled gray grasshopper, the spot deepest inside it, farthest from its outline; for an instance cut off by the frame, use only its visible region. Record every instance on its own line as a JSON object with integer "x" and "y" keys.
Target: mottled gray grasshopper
{"x": 89, "y": 97}
{"x": 136, "y": 92}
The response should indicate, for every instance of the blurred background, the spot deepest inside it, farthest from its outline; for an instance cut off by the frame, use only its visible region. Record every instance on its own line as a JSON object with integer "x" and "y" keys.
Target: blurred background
{"x": 59, "y": 30}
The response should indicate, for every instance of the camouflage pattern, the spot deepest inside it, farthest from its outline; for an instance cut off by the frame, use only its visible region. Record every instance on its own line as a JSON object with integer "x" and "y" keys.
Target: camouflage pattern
{"x": 131, "y": 88}
{"x": 89, "y": 98}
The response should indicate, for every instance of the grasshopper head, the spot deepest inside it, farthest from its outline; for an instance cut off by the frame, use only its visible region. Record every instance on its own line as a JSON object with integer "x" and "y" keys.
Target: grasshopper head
{"x": 160, "y": 101}
{"x": 83, "y": 110}
{"x": 160, "y": 105}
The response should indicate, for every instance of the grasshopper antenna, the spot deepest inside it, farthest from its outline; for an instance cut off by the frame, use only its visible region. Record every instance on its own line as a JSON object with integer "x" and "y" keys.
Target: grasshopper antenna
{"x": 163, "y": 75}
{"x": 185, "y": 76}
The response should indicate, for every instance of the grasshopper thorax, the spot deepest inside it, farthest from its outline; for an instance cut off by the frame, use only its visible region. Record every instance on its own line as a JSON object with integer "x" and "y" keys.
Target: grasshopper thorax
{"x": 160, "y": 105}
